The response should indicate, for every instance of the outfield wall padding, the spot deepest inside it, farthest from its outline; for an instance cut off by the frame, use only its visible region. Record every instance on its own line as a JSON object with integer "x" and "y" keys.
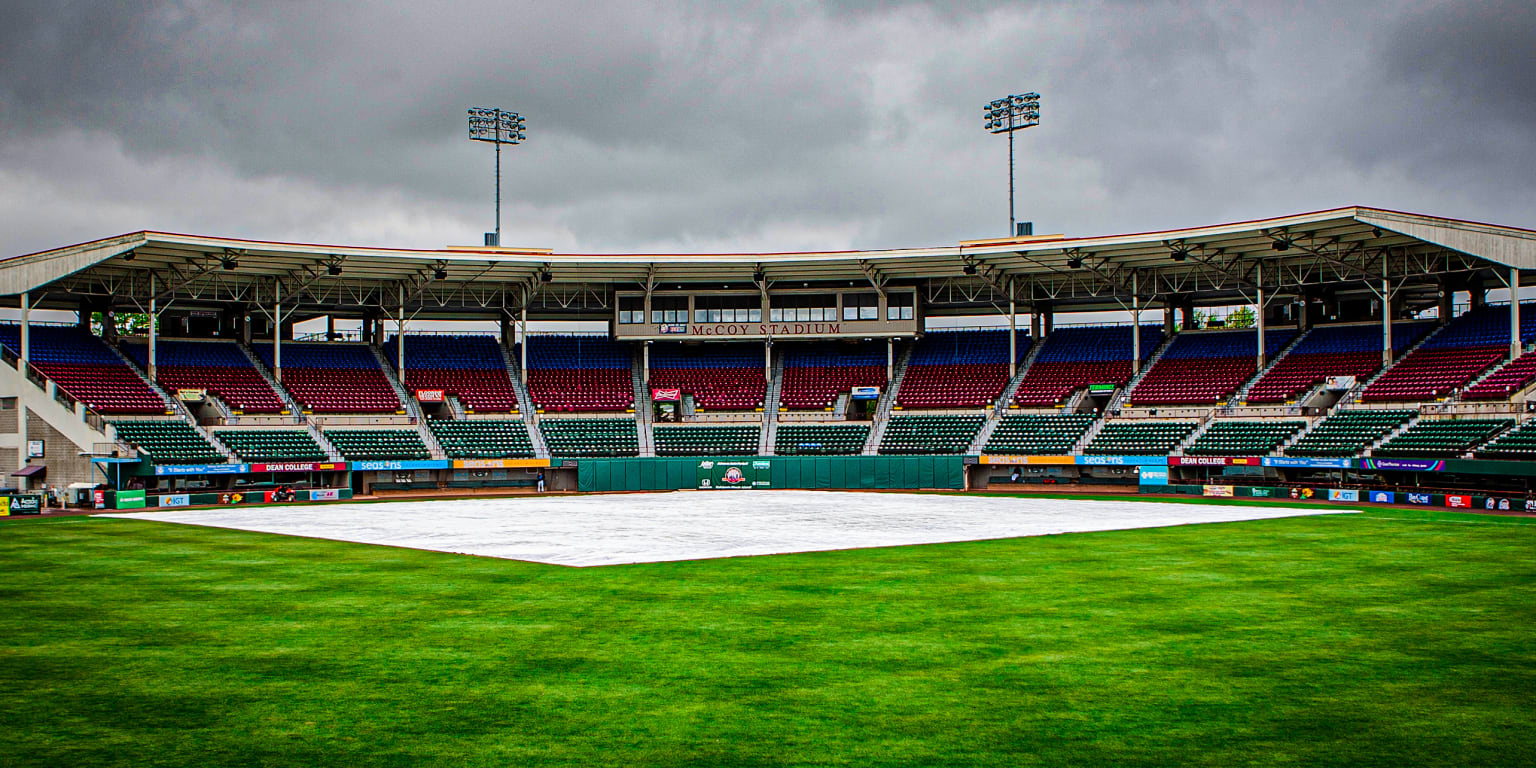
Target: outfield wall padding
{"x": 801, "y": 472}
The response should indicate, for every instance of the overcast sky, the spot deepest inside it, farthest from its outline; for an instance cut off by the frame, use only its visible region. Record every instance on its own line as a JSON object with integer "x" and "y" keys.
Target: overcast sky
{"x": 729, "y": 126}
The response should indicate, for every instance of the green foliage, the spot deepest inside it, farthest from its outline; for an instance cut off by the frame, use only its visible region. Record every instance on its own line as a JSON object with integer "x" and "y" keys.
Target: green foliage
{"x": 1242, "y": 318}
{"x": 128, "y": 323}
{"x": 1387, "y": 638}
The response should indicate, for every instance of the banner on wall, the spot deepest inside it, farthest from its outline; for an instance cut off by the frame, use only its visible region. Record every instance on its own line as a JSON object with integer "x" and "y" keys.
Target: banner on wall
{"x": 430, "y": 395}
{"x": 1407, "y": 465}
{"x": 1383, "y": 497}
{"x": 666, "y": 395}
{"x": 1152, "y": 476}
{"x": 176, "y": 500}
{"x": 1222, "y": 491}
{"x": 1343, "y": 494}
{"x": 740, "y": 474}
{"x": 1458, "y": 501}
{"x": 324, "y": 494}
{"x": 865, "y": 393}
{"x": 1299, "y": 463}
{"x": 1215, "y": 461}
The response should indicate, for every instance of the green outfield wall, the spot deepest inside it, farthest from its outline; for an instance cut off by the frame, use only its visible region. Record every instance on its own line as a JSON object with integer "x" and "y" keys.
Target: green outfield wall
{"x": 765, "y": 472}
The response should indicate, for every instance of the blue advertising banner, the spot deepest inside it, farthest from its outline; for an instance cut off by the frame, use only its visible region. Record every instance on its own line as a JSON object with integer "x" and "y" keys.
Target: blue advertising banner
{"x": 1406, "y": 465}
{"x": 1383, "y": 497}
{"x": 1299, "y": 463}
{"x": 1122, "y": 461}
{"x": 1154, "y": 476}
{"x": 202, "y": 469}
{"x": 389, "y": 466}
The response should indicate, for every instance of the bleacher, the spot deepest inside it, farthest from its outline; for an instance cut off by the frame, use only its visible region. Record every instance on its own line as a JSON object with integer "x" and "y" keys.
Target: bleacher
{"x": 378, "y": 444}
{"x": 1243, "y": 438}
{"x": 1074, "y": 358}
{"x": 1466, "y": 346}
{"x": 578, "y": 374}
{"x": 271, "y": 444}
{"x": 482, "y": 438}
{"x": 930, "y": 434}
{"x": 815, "y": 373}
{"x": 82, "y": 365}
{"x": 1347, "y": 433}
{"x": 1442, "y": 439}
{"x": 217, "y": 366}
{"x": 1139, "y": 438}
{"x": 333, "y": 377}
{"x": 469, "y": 367}
{"x": 1518, "y": 444}
{"x": 712, "y": 440}
{"x": 1031, "y": 434}
{"x": 168, "y": 442}
{"x": 1346, "y": 350}
{"x": 958, "y": 369}
{"x": 1506, "y": 381}
{"x": 721, "y": 377}
{"x": 590, "y": 437}
{"x": 820, "y": 439}
{"x": 1206, "y": 367}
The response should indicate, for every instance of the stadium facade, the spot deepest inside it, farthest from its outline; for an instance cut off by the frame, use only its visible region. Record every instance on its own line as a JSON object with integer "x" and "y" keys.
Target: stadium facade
{"x": 1362, "y": 370}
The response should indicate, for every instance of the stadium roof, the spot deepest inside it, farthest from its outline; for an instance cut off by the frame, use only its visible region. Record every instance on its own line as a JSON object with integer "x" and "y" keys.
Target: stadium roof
{"x": 1340, "y": 250}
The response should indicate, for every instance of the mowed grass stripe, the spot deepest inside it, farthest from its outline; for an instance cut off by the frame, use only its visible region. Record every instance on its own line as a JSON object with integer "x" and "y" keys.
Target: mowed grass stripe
{"x": 1336, "y": 640}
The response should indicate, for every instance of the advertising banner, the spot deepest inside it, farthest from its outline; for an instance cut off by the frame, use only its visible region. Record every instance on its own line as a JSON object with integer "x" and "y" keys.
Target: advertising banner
{"x": 1407, "y": 465}
{"x": 34, "y": 449}
{"x": 1215, "y": 461}
{"x": 324, "y": 494}
{"x": 1421, "y": 498}
{"x": 1223, "y": 491}
{"x": 430, "y": 395}
{"x": 865, "y": 393}
{"x": 1383, "y": 497}
{"x": 27, "y": 504}
{"x": 1101, "y": 389}
{"x": 1337, "y": 383}
{"x": 5, "y": 506}
{"x": 666, "y": 395}
{"x": 390, "y": 466}
{"x": 1122, "y": 461}
{"x": 202, "y": 469}
{"x": 176, "y": 500}
{"x": 129, "y": 500}
{"x": 1153, "y": 476}
{"x": 734, "y": 475}
{"x": 1299, "y": 463}
{"x": 1501, "y": 504}
{"x": 299, "y": 466}
{"x": 1458, "y": 501}
{"x": 495, "y": 463}
{"x": 191, "y": 395}
{"x": 1343, "y": 494}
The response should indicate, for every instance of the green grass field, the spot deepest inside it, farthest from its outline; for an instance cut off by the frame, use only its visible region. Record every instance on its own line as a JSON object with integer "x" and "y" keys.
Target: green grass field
{"x": 1389, "y": 638}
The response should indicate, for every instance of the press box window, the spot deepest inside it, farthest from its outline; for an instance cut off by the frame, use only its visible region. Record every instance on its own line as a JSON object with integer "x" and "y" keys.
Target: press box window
{"x": 669, "y": 309}
{"x": 861, "y": 306}
{"x": 899, "y": 306}
{"x": 631, "y": 310}
{"x": 727, "y": 309}
{"x": 803, "y": 308}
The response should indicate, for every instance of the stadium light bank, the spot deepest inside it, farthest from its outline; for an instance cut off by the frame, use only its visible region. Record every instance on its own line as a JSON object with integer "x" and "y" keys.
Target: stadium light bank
{"x": 1006, "y": 115}
{"x": 498, "y": 127}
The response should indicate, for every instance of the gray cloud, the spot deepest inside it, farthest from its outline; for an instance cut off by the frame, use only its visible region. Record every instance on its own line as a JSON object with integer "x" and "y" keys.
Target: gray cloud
{"x": 692, "y": 125}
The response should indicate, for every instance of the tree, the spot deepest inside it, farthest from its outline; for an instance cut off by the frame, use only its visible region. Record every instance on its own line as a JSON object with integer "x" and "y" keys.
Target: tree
{"x": 128, "y": 323}
{"x": 1242, "y": 318}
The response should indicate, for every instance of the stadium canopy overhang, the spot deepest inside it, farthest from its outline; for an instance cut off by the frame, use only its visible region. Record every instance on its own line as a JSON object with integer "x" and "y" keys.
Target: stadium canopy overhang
{"x": 1413, "y": 258}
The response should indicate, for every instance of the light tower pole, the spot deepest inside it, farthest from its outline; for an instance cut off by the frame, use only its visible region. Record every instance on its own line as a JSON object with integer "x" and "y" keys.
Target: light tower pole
{"x": 498, "y": 127}
{"x": 1006, "y": 115}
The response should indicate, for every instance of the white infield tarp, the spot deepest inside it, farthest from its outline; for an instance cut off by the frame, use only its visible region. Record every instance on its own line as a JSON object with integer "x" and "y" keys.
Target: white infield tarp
{"x": 688, "y": 525}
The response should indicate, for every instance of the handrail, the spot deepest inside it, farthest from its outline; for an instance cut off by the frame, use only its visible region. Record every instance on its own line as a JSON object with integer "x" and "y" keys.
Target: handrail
{"x": 92, "y": 418}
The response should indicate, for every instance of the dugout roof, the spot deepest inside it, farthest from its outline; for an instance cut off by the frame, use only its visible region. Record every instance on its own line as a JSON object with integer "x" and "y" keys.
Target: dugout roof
{"x": 1341, "y": 250}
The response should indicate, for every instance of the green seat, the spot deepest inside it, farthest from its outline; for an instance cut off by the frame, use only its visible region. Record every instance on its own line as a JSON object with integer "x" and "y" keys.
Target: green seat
{"x": 1139, "y": 438}
{"x": 1038, "y": 434}
{"x": 709, "y": 440}
{"x": 482, "y": 438}
{"x": 168, "y": 442}
{"x": 1347, "y": 433}
{"x": 930, "y": 434}
{"x": 378, "y": 444}
{"x": 821, "y": 438}
{"x": 271, "y": 444}
{"x": 1442, "y": 439}
{"x": 1243, "y": 438}
{"x": 590, "y": 437}
{"x": 1517, "y": 444}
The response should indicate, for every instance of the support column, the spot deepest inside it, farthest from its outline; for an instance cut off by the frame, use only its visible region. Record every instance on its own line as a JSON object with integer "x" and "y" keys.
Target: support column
{"x": 522, "y": 338}
{"x": 245, "y": 328}
{"x": 1013, "y": 344}
{"x": 400, "y": 339}
{"x": 768, "y": 360}
{"x": 26, "y": 331}
{"x": 645, "y": 364}
{"x": 1514, "y": 312}
{"x": 154, "y": 330}
{"x": 890, "y": 361}
{"x": 1034, "y": 324}
{"x": 1386, "y": 322}
{"x": 1135, "y": 323}
{"x": 330, "y": 327}
{"x": 1259, "y": 319}
{"x": 1049, "y": 320}
{"x": 1168, "y": 310}
{"x": 277, "y": 331}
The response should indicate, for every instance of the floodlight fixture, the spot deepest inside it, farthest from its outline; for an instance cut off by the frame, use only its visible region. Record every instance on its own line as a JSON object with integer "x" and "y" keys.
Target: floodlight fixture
{"x": 498, "y": 127}
{"x": 1075, "y": 263}
{"x": 1006, "y": 115}
{"x": 333, "y": 269}
{"x": 970, "y": 269}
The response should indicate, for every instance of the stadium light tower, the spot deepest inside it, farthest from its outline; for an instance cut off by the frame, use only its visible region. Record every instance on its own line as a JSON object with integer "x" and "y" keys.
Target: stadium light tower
{"x": 498, "y": 127}
{"x": 1006, "y": 115}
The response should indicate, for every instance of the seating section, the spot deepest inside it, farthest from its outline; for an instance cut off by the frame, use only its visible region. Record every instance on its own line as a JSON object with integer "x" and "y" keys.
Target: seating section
{"x": 1073, "y": 358}
{"x": 82, "y": 365}
{"x": 930, "y": 434}
{"x": 706, "y": 441}
{"x": 958, "y": 369}
{"x": 821, "y": 439}
{"x": 1343, "y": 350}
{"x": 590, "y": 437}
{"x": 721, "y": 377}
{"x": 271, "y": 444}
{"x": 1442, "y": 439}
{"x": 816, "y": 373}
{"x": 169, "y": 442}
{"x": 1139, "y": 438}
{"x": 378, "y": 444}
{"x": 1243, "y": 438}
{"x": 1518, "y": 444}
{"x": 1204, "y": 367}
{"x": 217, "y": 366}
{"x": 334, "y": 377}
{"x": 1031, "y": 434}
{"x": 482, "y": 438}
{"x": 469, "y": 367}
{"x": 579, "y": 374}
{"x": 1454, "y": 356}
{"x": 1505, "y": 381}
{"x": 1347, "y": 433}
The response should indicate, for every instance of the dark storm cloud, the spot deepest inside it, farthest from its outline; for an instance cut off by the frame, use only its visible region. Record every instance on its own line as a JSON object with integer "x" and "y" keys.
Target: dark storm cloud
{"x": 770, "y": 125}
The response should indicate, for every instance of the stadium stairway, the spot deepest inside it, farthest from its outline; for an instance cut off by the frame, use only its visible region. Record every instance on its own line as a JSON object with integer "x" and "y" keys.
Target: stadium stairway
{"x": 525, "y": 403}
{"x": 69, "y": 421}
{"x": 1241, "y": 395}
{"x": 1012, "y": 387}
{"x": 887, "y": 404}
{"x": 771, "y": 407}
{"x": 1205, "y": 423}
{"x": 1088, "y": 436}
{"x": 1121, "y": 397}
{"x": 1369, "y": 449}
{"x": 261, "y": 368}
{"x": 1352, "y": 396}
{"x": 645, "y": 410}
{"x": 412, "y": 408}
{"x": 171, "y": 403}
{"x": 318, "y": 435}
{"x": 994, "y": 418}
{"x": 1509, "y": 378}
